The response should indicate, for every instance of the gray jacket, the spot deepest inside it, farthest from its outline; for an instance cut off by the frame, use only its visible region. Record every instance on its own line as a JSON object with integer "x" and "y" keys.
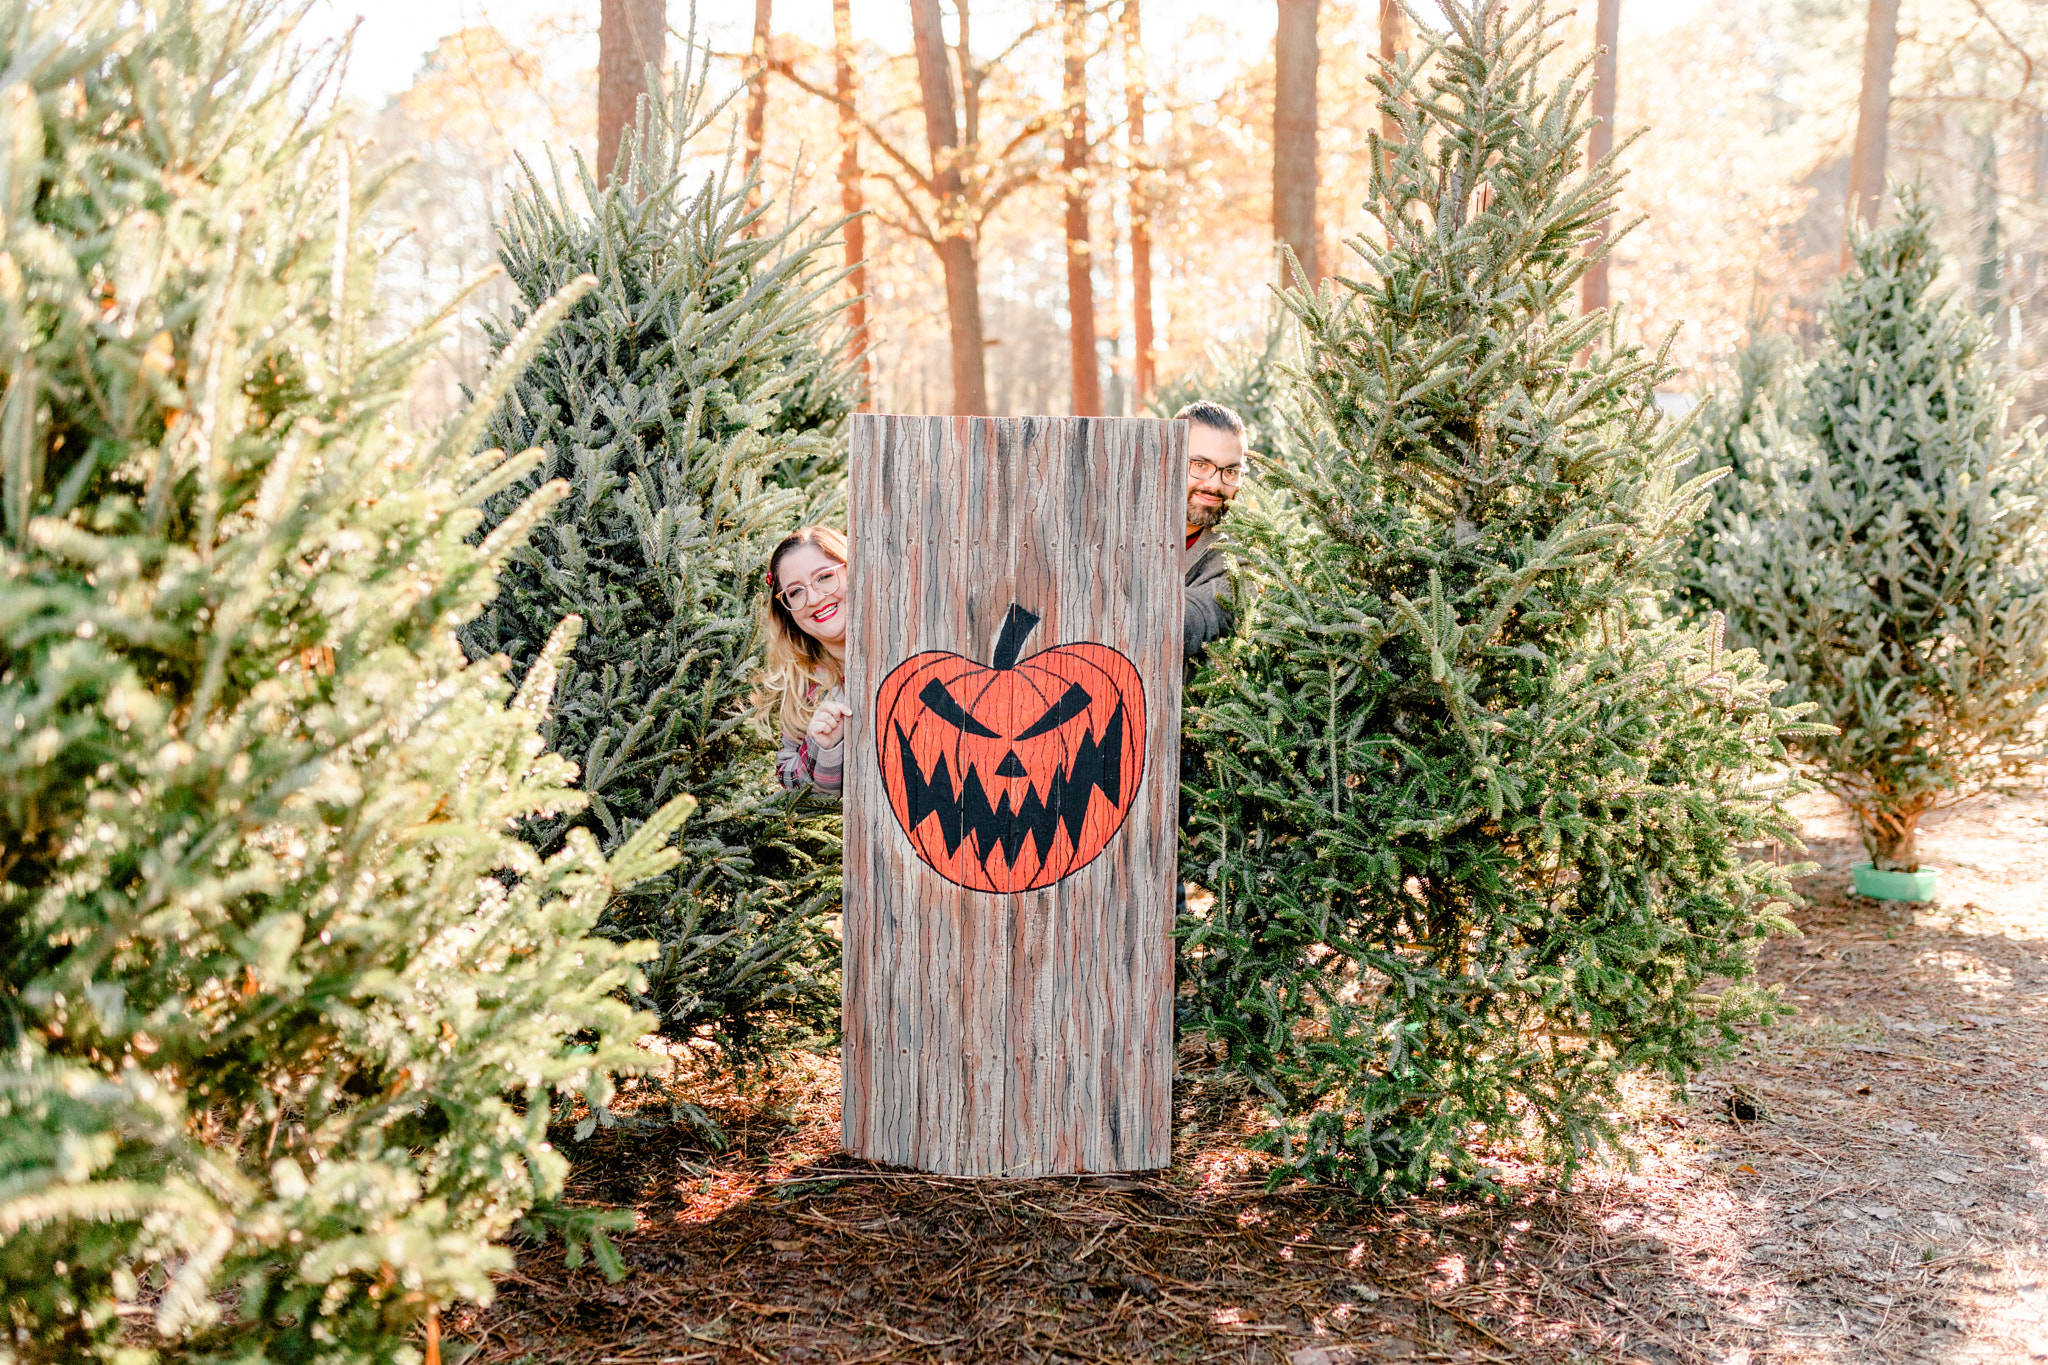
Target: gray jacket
{"x": 1206, "y": 573}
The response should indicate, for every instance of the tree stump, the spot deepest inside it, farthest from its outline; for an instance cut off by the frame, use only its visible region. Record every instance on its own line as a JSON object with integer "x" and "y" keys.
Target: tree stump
{"x": 1012, "y": 783}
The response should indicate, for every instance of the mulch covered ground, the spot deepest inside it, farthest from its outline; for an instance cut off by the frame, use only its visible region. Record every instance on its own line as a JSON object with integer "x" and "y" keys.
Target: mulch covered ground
{"x": 1868, "y": 1182}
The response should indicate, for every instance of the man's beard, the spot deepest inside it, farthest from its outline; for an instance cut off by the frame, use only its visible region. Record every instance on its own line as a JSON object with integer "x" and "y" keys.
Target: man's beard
{"x": 1201, "y": 516}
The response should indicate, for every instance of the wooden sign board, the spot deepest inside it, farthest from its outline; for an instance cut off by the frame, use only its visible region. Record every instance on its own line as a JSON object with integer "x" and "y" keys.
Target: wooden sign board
{"x": 1012, "y": 779}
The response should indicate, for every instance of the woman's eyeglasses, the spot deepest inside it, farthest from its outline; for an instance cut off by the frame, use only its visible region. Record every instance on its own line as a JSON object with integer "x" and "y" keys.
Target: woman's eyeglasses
{"x": 823, "y": 584}
{"x": 1229, "y": 475}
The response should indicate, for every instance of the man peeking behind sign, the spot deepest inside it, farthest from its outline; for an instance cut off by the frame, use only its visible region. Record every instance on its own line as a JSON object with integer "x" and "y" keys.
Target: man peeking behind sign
{"x": 1216, "y": 471}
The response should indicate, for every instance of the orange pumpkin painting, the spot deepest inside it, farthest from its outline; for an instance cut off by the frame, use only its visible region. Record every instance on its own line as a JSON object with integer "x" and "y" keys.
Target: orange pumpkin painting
{"x": 1010, "y": 775}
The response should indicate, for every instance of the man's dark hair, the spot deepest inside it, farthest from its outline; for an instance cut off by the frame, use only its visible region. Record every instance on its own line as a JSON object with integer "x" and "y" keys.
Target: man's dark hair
{"x": 1213, "y": 415}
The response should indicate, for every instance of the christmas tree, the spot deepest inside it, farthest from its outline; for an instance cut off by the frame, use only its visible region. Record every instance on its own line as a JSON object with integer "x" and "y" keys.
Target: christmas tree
{"x": 1739, "y": 429}
{"x": 1473, "y": 813}
{"x": 693, "y": 402}
{"x": 284, "y": 1003}
{"x": 1901, "y": 584}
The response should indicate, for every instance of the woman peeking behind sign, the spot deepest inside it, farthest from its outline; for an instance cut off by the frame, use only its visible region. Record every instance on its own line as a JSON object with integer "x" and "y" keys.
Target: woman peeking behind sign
{"x": 805, "y": 680}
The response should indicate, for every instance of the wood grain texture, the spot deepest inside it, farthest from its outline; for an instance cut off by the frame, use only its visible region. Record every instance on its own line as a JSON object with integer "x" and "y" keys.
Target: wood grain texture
{"x": 1030, "y": 1033}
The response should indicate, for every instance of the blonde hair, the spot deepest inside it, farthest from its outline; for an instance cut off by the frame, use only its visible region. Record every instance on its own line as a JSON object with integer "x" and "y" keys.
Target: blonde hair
{"x": 797, "y": 663}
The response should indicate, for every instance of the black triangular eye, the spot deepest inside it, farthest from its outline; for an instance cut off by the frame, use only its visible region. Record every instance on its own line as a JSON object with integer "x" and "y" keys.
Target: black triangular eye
{"x": 941, "y": 703}
{"x": 1071, "y": 704}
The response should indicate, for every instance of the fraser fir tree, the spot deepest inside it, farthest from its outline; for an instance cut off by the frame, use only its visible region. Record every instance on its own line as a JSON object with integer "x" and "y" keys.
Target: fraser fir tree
{"x": 283, "y": 1001}
{"x": 1739, "y": 428}
{"x": 693, "y": 403}
{"x": 1903, "y": 585}
{"x": 1473, "y": 812}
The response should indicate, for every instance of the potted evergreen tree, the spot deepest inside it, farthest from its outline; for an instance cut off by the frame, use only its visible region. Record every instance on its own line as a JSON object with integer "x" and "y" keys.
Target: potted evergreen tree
{"x": 1739, "y": 428}
{"x": 1902, "y": 585}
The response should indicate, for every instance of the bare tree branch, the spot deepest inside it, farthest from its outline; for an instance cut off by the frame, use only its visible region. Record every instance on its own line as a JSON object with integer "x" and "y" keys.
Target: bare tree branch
{"x": 1032, "y": 176}
{"x": 885, "y": 218}
{"x": 1037, "y": 27}
{"x": 1024, "y": 135}
{"x": 984, "y": 204}
{"x": 922, "y": 230}
{"x": 881, "y": 140}
{"x": 2026, "y": 60}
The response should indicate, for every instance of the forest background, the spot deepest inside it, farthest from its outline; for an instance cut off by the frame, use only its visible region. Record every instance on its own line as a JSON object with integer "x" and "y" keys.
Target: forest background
{"x": 1749, "y": 109}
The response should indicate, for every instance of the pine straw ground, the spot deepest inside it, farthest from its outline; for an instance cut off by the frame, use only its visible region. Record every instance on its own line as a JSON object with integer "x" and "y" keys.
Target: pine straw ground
{"x": 1887, "y": 1202}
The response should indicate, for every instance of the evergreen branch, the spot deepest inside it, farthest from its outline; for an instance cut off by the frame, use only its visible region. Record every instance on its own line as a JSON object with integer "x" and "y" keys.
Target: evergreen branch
{"x": 461, "y": 435}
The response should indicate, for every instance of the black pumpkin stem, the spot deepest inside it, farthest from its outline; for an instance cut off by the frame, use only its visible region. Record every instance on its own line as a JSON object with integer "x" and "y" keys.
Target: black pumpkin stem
{"x": 1016, "y": 626}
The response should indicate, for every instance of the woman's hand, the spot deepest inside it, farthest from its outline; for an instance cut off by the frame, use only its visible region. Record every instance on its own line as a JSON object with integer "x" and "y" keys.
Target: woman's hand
{"x": 828, "y": 722}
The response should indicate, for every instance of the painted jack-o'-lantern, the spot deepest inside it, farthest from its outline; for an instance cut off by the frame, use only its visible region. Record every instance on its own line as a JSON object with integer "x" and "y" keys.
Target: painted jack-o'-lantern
{"x": 1008, "y": 778}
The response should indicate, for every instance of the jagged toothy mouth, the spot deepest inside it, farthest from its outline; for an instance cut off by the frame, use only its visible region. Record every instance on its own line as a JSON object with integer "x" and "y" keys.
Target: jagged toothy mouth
{"x": 964, "y": 809}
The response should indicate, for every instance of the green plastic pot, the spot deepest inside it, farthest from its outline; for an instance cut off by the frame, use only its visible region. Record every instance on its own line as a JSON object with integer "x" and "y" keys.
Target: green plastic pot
{"x": 1895, "y": 886}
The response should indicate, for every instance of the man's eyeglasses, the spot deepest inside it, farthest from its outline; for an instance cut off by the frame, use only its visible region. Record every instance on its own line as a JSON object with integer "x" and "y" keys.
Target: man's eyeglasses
{"x": 823, "y": 584}
{"x": 1229, "y": 475}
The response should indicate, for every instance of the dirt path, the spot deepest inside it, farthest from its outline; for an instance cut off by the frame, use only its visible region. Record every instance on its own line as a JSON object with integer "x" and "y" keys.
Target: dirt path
{"x": 1893, "y": 1205}
{"x": 1887, "y": 1203}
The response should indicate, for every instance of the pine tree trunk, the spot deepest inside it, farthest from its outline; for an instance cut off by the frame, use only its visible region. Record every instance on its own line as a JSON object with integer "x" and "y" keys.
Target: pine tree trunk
{"x": 1873, "y": 120}
{"x": 1599, "y": 142}
{"x": 1892, "y": 838}
{"x": 852, "y": 203}
{"x": 1080, "y": 262}
{"x": 632, "y": 35}
{"x": 1393, "y": 43}
{"x": 1295, "y": 58}
{"x": 1990, "y": 264}
{"x": 1143, "y": 375}
{"x": 955, "y": 246}
{"x": 757, "y": 100}
{"x": 2028, "y": 266}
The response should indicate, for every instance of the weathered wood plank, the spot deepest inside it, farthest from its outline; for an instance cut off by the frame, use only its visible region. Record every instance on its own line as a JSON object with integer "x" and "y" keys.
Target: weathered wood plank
{"x": 1008, "y": 988}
